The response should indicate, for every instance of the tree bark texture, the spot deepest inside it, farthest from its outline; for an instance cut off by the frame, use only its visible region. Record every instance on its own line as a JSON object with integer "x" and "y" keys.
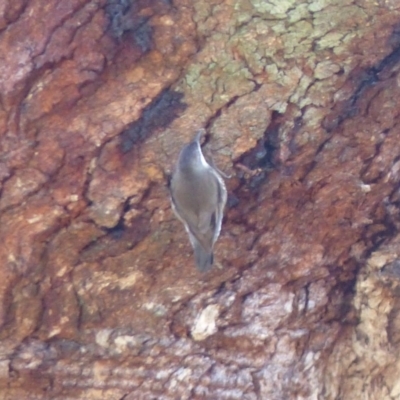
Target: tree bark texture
{"x": 99, "y": 296}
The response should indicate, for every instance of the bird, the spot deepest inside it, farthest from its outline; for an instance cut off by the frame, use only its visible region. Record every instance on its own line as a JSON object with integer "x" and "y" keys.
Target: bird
{"x": 198, "y": 197}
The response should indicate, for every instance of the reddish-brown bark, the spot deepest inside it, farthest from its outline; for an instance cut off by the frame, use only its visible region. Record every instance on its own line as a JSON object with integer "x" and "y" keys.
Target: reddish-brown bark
{"x": 99, "y": 296}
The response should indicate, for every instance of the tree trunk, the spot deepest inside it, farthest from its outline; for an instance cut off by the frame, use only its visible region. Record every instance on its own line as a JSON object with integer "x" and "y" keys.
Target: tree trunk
{"x": 99, "y": 295}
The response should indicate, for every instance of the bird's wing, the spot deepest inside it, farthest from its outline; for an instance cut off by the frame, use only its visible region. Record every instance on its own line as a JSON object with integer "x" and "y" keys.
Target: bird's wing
{"x": 189, "y": 220}
{"x": 219, "y": 214}
{"x": 205, "y": 226}
{"x": 204, "y": 232}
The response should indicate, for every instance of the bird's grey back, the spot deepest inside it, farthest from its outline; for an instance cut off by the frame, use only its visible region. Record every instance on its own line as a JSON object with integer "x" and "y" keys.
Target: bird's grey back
{"x": 195, "y": 191}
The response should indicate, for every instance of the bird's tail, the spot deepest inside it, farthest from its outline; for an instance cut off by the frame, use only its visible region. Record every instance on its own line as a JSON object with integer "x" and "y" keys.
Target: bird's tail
{"x": 204, "y": 259}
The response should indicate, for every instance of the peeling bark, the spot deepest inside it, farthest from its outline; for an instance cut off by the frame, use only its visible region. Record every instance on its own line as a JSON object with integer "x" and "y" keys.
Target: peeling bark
{"x": 99, "y": 296}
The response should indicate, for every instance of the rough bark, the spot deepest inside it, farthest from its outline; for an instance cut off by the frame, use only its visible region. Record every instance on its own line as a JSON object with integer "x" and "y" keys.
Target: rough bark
{"x": 99, "y": 297}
